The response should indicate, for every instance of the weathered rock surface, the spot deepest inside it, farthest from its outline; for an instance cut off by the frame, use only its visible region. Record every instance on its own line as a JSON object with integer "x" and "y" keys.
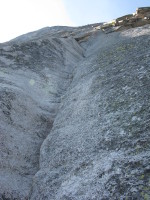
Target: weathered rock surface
{"x": 140, "y": 18}
{"x": 33, "y": 77}
{"x": 75, "y": 115}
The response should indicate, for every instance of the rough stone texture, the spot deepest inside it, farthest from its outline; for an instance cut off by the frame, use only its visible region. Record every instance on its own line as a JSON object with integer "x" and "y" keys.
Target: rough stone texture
{"x": 33, "y": 77}
{"x": 75, "y": 115}
{"x": 143, "y": 12}
{"x": 140, "y": 18}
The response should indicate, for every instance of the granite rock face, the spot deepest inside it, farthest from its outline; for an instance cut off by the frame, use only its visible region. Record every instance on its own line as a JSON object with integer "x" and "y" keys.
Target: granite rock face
{"x": 33, "y": 76}
{"x": 75, "y": 115}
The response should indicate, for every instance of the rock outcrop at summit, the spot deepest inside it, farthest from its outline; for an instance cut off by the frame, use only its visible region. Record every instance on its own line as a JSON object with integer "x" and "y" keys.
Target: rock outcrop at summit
{"x": 140, "y": 18}
{"x": 75, "y": 115}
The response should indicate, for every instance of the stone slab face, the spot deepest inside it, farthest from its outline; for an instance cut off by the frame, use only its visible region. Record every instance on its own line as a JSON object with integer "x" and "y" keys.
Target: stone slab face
{"x": 75, "y": 115}
{"x": 33, "y": 77}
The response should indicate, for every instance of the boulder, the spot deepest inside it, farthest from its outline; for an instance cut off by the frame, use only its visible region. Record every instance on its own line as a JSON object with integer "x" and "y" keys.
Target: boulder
{"x": 143, "y": 12}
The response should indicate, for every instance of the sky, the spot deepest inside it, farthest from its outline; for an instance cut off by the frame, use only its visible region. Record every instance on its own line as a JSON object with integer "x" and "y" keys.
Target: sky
{"x": 18, "y": 17}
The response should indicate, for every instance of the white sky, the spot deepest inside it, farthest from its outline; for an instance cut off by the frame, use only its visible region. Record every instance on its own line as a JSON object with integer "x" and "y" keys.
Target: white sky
{"x": 21, "y": 16}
